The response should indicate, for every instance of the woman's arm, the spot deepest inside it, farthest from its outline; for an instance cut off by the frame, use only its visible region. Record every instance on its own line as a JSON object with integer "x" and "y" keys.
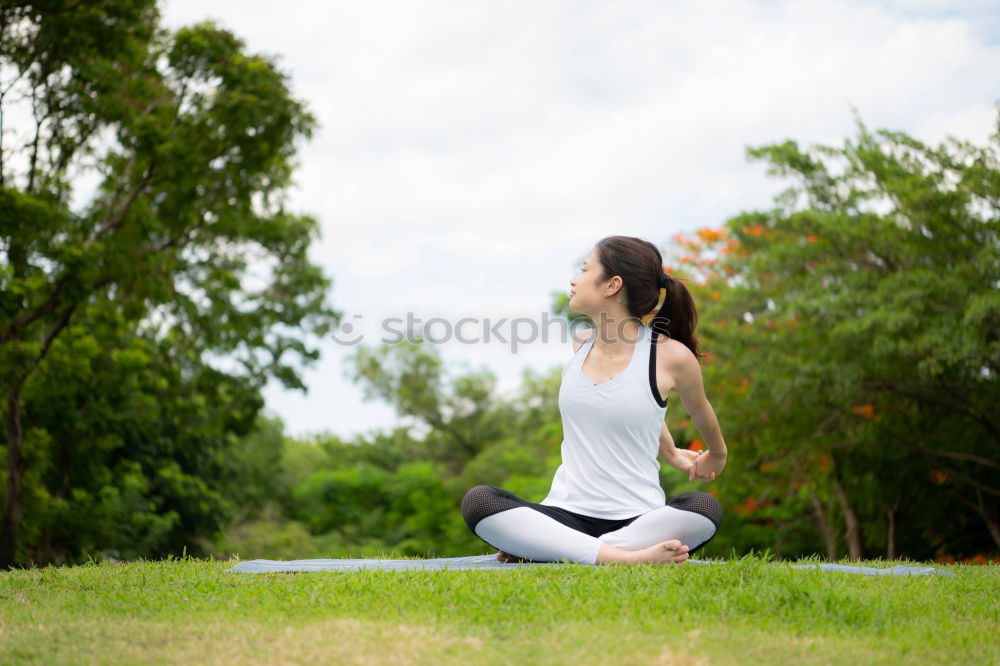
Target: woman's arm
{"x": 686, "y": 372}
{"x": 682, "y": 459}
{"x": 668, "y": 450}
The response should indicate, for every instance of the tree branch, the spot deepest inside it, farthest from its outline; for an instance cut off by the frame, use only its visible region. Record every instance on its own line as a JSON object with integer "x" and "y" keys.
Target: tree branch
{"x": 111, "y": 223}
{"x": 972, "y": 482}
{"x": 940, "y": 396}
{"x": 47, "y": 339}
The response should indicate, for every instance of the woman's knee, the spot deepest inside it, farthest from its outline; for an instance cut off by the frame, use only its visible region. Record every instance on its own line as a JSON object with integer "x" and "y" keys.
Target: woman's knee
{"x": 705, "y": 504}
{"x": 485, "y": 500}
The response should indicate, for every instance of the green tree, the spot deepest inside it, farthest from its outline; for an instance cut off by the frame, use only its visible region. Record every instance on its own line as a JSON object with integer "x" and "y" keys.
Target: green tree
{"x": 187, "y": 236}
{"x": 462, "y": 413}
{"x": 863, "y": 315}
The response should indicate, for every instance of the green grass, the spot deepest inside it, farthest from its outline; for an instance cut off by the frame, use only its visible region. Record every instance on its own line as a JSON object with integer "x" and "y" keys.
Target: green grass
{"x": 746, "y": 611}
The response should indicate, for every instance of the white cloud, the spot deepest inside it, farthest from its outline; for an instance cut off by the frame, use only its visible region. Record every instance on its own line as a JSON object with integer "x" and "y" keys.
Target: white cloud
{"x": 471, "y": 152}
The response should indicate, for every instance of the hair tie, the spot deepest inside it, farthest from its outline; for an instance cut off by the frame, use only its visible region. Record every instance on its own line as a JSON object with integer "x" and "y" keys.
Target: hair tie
{"x": 664, "y": 281}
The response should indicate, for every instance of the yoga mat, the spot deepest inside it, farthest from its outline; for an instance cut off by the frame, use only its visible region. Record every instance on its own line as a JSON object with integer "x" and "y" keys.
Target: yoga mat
{"x": 491, "y": 562}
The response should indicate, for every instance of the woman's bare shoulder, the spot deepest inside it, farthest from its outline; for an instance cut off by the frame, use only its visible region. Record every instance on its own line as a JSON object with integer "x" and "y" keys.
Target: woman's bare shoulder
{"x": 677, "y": 369}
{"x": 673, "y": 354}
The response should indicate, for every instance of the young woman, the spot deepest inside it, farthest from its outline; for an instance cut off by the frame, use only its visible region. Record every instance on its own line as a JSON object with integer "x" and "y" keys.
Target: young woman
{"x": 606, "y": 504}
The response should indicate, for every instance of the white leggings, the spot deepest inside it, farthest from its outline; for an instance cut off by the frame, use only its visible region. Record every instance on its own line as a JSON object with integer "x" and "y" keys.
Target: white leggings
{"x": 531, "y": 534}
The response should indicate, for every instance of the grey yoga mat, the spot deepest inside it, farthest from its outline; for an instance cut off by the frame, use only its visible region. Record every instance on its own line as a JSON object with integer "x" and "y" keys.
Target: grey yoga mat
{"x": 491, "y": 562}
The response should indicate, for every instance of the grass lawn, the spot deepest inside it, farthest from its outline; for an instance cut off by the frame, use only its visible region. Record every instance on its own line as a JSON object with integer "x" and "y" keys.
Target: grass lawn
{"x": 746, "y": 611}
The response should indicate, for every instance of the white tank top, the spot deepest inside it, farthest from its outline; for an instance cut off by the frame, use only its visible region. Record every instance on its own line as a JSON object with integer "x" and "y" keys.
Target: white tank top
{"x": 611, "y": 437}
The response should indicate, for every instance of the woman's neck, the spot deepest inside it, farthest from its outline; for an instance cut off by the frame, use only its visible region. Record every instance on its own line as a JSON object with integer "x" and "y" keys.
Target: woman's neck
{"x": 616, "y": 335}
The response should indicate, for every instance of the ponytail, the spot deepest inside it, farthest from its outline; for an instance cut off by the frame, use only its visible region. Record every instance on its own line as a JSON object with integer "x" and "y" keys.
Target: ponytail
{"x": 677, "y": 317}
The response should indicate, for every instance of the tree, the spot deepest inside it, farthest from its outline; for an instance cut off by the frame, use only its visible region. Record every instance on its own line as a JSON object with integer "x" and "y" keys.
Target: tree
{"x": 863, "y": 314}
{"x": 187, "y": 236}
{"x": 462, "y": 418}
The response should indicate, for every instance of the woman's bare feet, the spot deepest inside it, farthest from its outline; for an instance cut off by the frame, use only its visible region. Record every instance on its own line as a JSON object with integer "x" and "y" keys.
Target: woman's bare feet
{"x": 507, "y": 557}
{"x": 669, "y": 552}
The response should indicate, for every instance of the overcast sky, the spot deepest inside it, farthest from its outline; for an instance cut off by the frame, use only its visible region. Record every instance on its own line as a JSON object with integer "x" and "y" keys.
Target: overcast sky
{"x": 470, "y": 153}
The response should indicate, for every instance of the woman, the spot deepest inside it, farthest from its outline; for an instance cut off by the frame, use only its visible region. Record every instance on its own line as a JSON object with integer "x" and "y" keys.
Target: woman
{"x": 606, "y": 504}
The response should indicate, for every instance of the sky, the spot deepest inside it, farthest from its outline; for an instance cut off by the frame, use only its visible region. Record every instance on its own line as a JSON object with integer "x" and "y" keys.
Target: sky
{"x": 469, "y": 154}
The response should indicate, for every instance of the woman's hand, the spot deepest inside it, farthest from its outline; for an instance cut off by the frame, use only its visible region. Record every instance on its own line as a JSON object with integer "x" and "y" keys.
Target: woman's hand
{"x": 683, "y": 459}
{"x": 707, "y": 466}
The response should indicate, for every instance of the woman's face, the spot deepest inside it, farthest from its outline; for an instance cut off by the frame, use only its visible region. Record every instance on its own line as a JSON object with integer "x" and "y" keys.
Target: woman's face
{"x": 587, "y": 292}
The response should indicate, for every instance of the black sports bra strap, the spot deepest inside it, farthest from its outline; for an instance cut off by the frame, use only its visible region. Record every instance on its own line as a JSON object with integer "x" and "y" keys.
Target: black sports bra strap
{"x": 652, "y": 372}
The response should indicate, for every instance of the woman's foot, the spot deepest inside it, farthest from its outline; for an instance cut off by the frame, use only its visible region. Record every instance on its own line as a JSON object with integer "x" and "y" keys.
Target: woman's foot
{"x": 508, "y": 558}
{"x": 672, "y": 551}
{"x": 669, "y": 552}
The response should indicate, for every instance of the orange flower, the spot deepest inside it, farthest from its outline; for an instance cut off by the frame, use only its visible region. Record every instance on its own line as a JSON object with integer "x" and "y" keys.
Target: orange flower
{"x": 749, "y": 506}
{"x": 979, "y": 558}
{"x": 696, "y": 445}
{"x": 939, "y": 476}
{"x": 710, "y": 235}
{"x": 810, "y": 238}
{"x": 868, "y": 411}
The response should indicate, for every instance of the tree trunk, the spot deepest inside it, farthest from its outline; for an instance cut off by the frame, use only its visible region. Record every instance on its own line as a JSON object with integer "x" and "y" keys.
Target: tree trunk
{"x": 853, "y": 531}
{"x": 989, "y": 515}
{"x": 15, "y": 462}
{"x": 890, "y": 547}
{"x": 984, "y": 509}
{"x": 15, "y": 472}
{"x": 829, "y": 537}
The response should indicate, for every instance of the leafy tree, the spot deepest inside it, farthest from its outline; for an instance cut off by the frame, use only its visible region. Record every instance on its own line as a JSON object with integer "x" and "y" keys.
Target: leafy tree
{"x": 861, "y": 318}
{"x": 461, "y": 413}
{"x": 187, "y": 237}
{"x": 129, "y": 450}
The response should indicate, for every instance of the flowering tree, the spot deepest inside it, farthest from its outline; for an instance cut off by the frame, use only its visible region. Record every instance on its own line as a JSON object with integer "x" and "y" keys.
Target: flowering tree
{"x": 855, "y": 331}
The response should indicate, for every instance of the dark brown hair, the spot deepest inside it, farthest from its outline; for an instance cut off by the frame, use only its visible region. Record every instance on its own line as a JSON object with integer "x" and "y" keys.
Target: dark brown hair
{"x": 639, "y": 264}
